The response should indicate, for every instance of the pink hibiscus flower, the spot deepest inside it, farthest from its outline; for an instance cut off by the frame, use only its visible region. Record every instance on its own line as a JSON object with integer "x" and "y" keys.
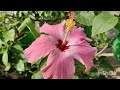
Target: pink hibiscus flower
{"x": 60, "y": 62}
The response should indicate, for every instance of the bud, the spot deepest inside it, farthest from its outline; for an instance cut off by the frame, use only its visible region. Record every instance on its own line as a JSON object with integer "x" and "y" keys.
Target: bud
{"x": 72, "y": 15}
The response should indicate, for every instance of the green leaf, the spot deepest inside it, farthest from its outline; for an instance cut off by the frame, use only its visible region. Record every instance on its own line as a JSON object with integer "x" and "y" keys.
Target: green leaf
{"x": 101, "y": 77}
{"x": 14, "y": 24}
{"x": 30, "y": 25}
{"x": 25, "y": 13}
{"x": 117, "y": 31}
{"x": 20, "y": 13}
{"x": 116, "y": 48}
{"x": 2, "y": 18}
{"x": 86, "y": 77}
{"x": 5, "y": 58}
{"x": 26, "y": 40}
{"x": 79, "y": 68}
{"x": 48, "y": 13}
{"x": 42, "y": 62}
{"x": 103, "y": 37}
{"x": 105, "y": 64}
{"x": 17, "y": 47}
{"x": 40, "y": 12}
{"x": 85, "y": 18}
{"x": 10, "y": 35}
{"x": 8, "y": 66}
{"x": 88, "y": 31}
{"x": 23, "y": 25}
{"x": 103, "y": 22}
{"x": 75, "y": 77}
{"x": 5, "y": 61}
{"x": 93, "y": 73}
{"x": 23, "y": 57}
{"x": 1, "y": 42}
{"x": 20, "y": 66}
{"x": 3, "y": 48}
{"x": 117, "y": 26}
{"x": 37, "y": 75}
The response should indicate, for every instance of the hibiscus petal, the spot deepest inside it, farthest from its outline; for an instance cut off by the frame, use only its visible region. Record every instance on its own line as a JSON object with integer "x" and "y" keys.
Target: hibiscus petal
{"x": 41, "y": 47}
{"x": 84, "y": 53}
{"x": 54, "y": 30}
{"x": 59, "y": 66}
{"x": 76, "y": 35}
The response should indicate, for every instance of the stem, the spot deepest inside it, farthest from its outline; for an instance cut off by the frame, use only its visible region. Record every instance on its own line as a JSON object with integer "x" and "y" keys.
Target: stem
{"x": 102, "y": 50}
{"x": 104, "y": 47}
{"x": 106, "y": 54}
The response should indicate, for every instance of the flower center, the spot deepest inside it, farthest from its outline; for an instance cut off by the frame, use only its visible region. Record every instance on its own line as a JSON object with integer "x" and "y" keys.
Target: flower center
{"x": 62, "y": 46}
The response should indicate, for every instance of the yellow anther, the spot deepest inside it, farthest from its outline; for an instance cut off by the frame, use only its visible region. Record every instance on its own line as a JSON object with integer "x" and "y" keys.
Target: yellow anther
{"x": 70, "y": 24}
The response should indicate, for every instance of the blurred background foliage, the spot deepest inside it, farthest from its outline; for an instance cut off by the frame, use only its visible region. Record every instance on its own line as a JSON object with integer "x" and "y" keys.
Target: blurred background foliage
{"x": 18, "y": 29}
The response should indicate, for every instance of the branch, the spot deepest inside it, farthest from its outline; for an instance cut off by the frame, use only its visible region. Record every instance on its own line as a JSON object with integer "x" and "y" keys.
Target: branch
{"x": 106, "y": 54}
{"x": 105, "y": 47}
{"x": 102, "y": 50}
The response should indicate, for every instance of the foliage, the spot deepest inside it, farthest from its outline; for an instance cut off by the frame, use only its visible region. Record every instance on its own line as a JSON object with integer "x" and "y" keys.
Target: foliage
{"x": 19, "y": 29}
